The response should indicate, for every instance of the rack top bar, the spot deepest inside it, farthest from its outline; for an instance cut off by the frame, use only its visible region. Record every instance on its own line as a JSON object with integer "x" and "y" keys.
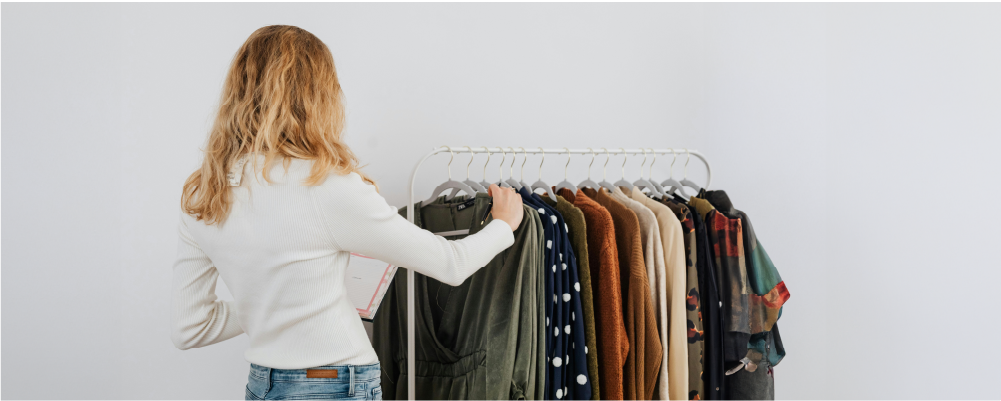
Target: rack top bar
{"x": 597, "y": 151}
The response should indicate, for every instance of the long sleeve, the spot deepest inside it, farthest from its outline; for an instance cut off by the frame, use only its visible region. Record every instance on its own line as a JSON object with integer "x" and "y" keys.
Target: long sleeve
{"x": 197, "y": 317}
{"x": 360, "y": 220}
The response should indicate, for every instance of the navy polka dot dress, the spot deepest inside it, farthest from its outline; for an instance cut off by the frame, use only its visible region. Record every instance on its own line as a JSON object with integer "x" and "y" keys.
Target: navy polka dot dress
{"x": 566, "y": 361}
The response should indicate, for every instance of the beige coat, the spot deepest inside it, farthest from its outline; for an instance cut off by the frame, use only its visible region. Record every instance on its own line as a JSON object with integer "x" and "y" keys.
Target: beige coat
{"x": 653, "y": 257}
{"x": 674, "y": 256}
{"x": 645, "y": 349}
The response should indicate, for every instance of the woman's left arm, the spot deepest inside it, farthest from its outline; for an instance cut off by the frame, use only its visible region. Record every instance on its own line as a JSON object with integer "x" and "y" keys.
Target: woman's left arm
{"x": 197, "y": 317}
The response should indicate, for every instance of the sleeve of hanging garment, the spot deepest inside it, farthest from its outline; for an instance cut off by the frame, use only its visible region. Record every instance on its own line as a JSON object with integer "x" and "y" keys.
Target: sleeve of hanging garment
{"x": 360, "y": 220}
{"x": 197, "y": 317}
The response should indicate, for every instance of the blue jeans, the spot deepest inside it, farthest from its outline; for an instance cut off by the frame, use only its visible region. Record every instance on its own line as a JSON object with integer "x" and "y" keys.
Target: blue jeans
{"x": 352, "y": 382}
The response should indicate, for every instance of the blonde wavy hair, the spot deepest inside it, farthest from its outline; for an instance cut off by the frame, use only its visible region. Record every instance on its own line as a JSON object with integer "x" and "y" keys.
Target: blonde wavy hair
{"x": 281, "y": 97}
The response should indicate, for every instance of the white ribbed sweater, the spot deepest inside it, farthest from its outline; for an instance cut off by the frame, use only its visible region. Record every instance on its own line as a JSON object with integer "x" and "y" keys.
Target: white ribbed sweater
{"x": 283, "y": 252}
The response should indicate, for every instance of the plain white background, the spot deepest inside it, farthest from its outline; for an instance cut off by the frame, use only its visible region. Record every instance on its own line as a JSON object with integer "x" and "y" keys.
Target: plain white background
{"x": 863, "y": 140}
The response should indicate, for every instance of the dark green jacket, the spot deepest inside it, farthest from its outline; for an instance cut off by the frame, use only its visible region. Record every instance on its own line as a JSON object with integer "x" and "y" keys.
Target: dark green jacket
{"x": 482, "y": 339}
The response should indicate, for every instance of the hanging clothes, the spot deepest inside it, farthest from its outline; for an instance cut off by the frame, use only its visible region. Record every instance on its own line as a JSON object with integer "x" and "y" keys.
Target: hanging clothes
{"x": 726, "y": 240}
{"x": 693, "y": 302}
{"x": 455, "y": 357}
{"x": 553, "y": 285}
{"x": 768, "y": 291}
{"x": 607, "y": 293}
{"x": 653, "y": 258}
{"x": 713, "y": 366}
{"x": 612, "y": 340}
{"x": 768, "y": 295}
{"x": 568, "y": 363}
{"x": 645, "y": 350}
{"x": 577, "y": 229}
{"x": 675, "y": 332}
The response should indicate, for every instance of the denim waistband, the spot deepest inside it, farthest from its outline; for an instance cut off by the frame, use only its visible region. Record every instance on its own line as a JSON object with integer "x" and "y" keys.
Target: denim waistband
{"x": 344, "y": 372}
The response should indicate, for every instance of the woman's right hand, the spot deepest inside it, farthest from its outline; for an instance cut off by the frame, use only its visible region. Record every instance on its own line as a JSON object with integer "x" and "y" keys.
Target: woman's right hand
{"x": 507, "y": 205}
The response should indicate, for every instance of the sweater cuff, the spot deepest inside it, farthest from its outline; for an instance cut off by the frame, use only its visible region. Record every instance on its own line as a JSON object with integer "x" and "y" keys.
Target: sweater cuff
{"x": 501, "y": 234}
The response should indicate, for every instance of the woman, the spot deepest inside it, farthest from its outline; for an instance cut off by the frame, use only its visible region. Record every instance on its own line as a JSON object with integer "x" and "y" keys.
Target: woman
{"x": 280, "y": 235}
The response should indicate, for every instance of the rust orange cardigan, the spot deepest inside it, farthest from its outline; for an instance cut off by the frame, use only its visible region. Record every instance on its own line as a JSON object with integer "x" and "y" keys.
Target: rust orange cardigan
{"x": 603, "y": 262}
{"x": 645, "y": 350}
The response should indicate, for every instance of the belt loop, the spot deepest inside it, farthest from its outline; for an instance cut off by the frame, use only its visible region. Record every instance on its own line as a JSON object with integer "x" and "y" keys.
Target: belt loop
{"x": 351, "y": 389}
{"x": 269, "y": 381}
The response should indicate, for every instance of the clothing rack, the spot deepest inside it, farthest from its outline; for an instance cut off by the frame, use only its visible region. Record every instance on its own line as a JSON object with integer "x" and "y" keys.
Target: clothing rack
{"x": 411, "y": 339}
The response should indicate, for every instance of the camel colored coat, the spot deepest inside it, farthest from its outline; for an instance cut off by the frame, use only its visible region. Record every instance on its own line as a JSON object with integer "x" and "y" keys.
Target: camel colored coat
{"x": 653, "y": 257}
{"x": 673, "y": 245}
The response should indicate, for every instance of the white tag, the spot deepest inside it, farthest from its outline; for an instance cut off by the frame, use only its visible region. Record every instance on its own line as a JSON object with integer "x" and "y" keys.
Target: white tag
{"x": 235, "y": 174}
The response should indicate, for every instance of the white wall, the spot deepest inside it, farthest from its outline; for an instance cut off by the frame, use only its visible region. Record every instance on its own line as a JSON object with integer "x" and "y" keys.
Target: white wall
{"x": 861, "y": 138}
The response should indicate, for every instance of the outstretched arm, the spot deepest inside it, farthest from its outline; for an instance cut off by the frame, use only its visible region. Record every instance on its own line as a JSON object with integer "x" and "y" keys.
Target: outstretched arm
{"x": 360, "y": 220}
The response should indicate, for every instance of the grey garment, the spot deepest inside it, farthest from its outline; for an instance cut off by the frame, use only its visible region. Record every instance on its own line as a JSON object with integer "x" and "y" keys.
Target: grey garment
{"x": 756, "y": 385}
{"x": 482, "y": 339}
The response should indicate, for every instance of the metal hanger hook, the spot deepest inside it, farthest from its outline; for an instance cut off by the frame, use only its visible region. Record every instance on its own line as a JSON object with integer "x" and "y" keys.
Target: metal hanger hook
{"x": 608, "y": 156}
{"x": 624, "y": 158}
{"x": 652, "y": 162}
{"x": 449, "y": 167}
{"x": 514, "y": 157}
{"x": 486, "y": 163}
{"x": 671, "y": 176}
{"x": 686, "y": 163}
{"x": 566, "y": 165}
{"x": 471, "y": 157}
{"x": 644, "y": 163}
{"x": 541, "y": 162}
{"x": 525, "y": 159}
{"x": 500, "y": 167}
{"x": 589, "y": 165}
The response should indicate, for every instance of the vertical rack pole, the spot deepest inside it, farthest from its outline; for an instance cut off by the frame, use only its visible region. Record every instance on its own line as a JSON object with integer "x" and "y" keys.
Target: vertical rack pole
{"x": 411, "y": 328}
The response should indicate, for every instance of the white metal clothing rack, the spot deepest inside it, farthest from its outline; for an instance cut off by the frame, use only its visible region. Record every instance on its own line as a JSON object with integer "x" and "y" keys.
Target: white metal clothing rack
{"x": 411, "y": 340}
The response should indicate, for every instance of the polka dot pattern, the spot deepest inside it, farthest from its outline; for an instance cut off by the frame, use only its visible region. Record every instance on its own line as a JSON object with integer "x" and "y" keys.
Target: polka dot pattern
{"x": 562, "y": 371}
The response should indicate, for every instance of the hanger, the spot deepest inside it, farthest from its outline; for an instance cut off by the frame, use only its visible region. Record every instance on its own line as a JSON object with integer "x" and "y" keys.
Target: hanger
{"x": 604, "y": 182}
{"x": 566, "y": 184}
{"x": 500, "y": 171}
{"x": 522, "y": 176}
{"x": 539, "y": 184}
{"x": 622, "y": 181}
{"x": 475, "y": 185}
{"x": 588, "y": 183}
{"x": 685, "y": 181}
{"x": 472, "y": 184}
{"x": 670, "y": 184}
{"x": 511, "y": 181}
{"x": 448, "y": 184}
{"x": 484, "y": 183}
{"x": 660, "y": 189}
{"x": 643, "y": 183}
